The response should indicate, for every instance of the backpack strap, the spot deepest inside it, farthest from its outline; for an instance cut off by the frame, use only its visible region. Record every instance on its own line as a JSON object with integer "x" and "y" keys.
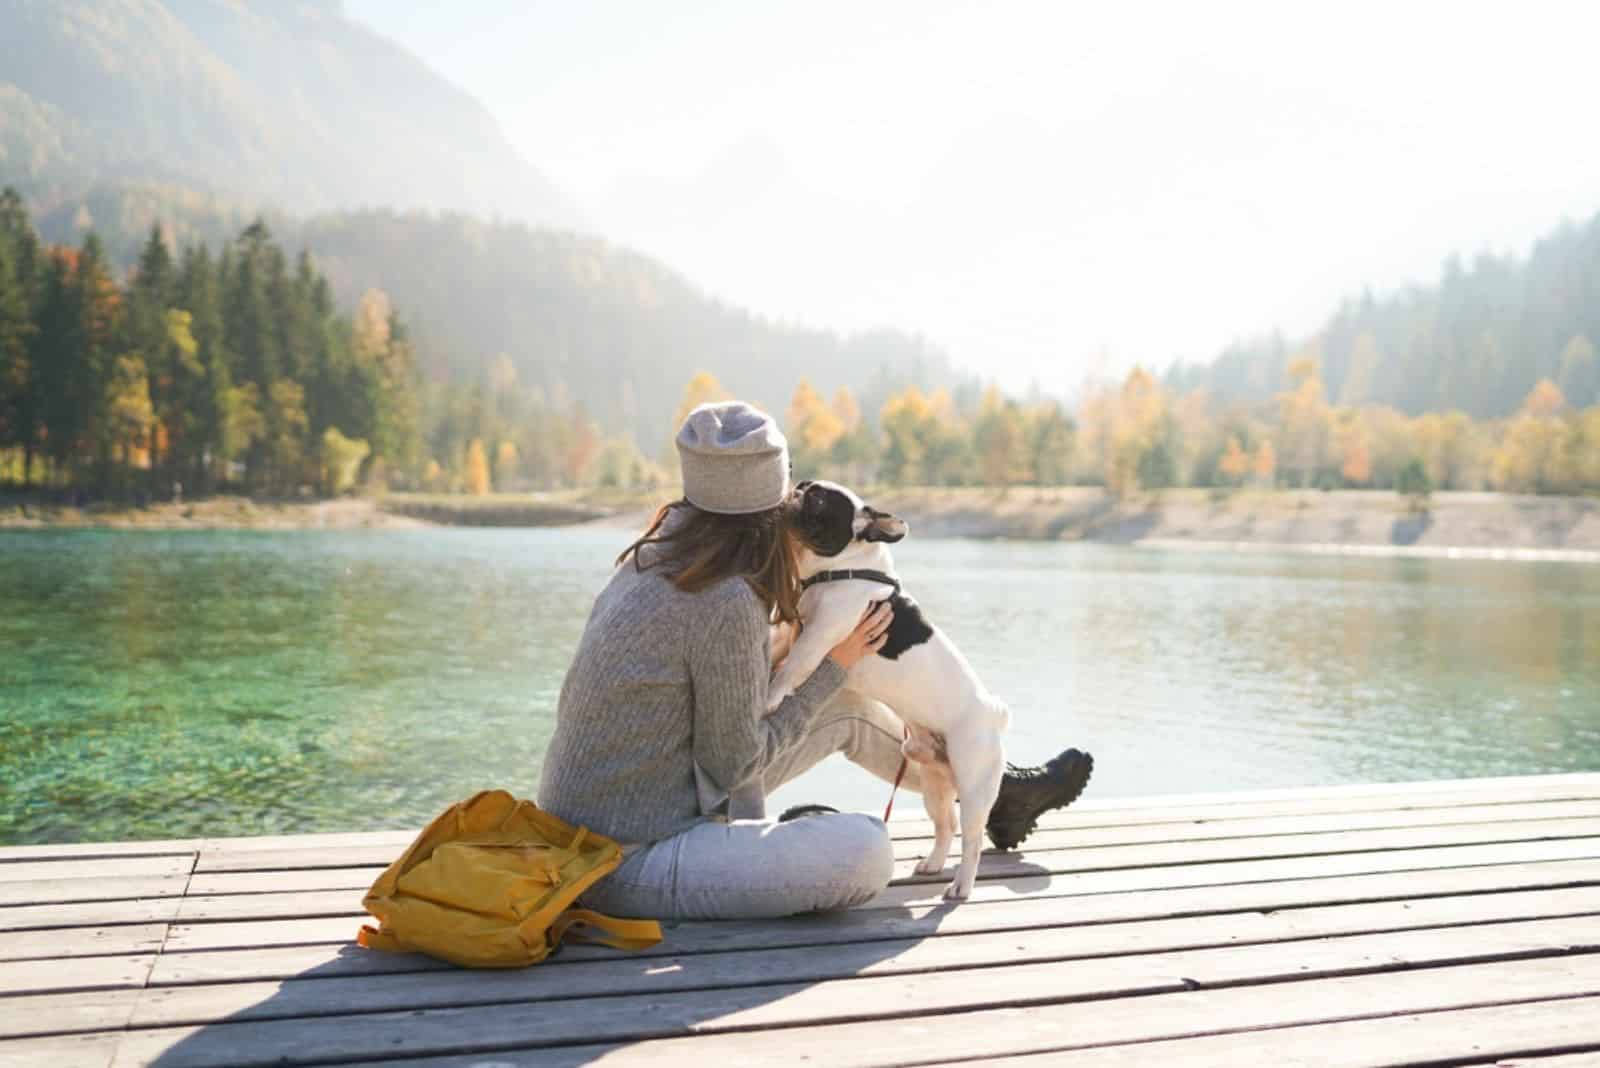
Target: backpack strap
{"x": 587, "y": 926}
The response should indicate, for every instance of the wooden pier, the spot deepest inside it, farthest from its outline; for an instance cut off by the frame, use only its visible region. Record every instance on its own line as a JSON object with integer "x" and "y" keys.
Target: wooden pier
{"x": 1440, "y": 923}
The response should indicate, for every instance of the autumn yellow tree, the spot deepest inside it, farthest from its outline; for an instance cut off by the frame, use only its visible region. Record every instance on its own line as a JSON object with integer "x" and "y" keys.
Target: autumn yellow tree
{"x": 1137, "y": 432}
{"x": 998, "y": 440}
{"x": 813, "y": 428}
{"x": 1545, "y": 400}
{"x": 905, "y": 420}
{"x": 505, "y": 464}
{"x": 287, "y": 423}
{"x": 703, "y": 388}
{"x": 1455, "y": 452}
{"x": 1265, "y": 463}
{"x": 341, "y": 460}
{"x": 1235, "y": 462}
{"x": 1303, "y": 422}
{"x": 1355, "y": 456}
{"x": 846, "y": 409}
{"x": 477, "y": 469}
{"x": 1531, "y": 456}
{"x": 1583, "y": 451}
{"x": 582, "y": 447}
{"x": 129, "y": 414}
{"x": 1051, "y": 445}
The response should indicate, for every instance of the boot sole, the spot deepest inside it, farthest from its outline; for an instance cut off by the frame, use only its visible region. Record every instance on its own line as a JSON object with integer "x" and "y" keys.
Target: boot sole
{"x": 1071, "y": 789}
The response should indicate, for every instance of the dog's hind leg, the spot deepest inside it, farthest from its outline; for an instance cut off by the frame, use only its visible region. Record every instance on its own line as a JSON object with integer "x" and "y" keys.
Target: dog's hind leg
{"x": 978, "y": 764}
{"x": 938, "y": 795}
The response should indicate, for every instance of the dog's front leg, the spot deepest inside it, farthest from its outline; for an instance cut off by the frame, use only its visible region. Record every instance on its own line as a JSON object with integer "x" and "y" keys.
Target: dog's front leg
{"x": 831, "y": 625}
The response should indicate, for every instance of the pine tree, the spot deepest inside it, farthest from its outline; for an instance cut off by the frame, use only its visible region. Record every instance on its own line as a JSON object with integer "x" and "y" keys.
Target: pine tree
{"x": 19, "y": 265}
{"x": 99, "y": 306}
{"x": 205, "y": 403}
{"x": 148, "y": 337}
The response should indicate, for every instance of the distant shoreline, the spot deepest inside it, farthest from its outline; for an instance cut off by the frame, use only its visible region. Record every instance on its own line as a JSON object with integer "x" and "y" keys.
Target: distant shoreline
{"x": 1482, "y": 526}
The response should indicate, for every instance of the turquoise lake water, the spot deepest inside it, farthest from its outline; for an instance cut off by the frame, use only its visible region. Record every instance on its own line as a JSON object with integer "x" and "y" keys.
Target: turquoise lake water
{"x": 209, "y": 683}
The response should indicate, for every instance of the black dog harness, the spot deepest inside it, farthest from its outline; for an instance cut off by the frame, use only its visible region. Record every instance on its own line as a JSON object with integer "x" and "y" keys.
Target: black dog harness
{"x": 851, "y": 573}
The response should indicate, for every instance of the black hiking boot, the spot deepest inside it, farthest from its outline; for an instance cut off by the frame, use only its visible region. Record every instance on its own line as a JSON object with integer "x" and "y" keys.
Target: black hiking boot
{"x": 1028, "y": 793}
{"x": 800, "y": 812}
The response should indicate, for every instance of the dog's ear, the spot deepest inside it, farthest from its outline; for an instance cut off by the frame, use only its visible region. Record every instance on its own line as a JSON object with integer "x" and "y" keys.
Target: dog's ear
{"x": 881, "y": 526}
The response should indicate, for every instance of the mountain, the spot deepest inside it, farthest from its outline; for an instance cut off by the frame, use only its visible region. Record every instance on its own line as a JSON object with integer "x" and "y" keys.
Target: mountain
{"x": 579, "y": 318}
{"x": 201, "y": 115}
{"x": 286, "y": 102}
{"x": 588, "y": 320}
{"x": 1477, "y": 341}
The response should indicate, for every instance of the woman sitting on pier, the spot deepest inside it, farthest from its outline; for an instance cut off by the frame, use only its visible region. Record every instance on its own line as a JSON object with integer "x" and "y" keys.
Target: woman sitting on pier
{"x": 663, "y": 709}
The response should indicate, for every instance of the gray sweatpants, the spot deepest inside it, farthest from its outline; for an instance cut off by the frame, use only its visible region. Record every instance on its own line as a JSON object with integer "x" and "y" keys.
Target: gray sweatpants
{"x": 758, "y": 868}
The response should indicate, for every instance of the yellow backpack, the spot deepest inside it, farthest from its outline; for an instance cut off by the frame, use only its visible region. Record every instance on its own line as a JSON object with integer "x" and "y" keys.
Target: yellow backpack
{"x": 491, "y": 883}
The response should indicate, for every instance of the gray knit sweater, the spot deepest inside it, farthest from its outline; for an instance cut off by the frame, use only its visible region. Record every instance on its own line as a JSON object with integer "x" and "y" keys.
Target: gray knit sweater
{"x": 664, "y": 680}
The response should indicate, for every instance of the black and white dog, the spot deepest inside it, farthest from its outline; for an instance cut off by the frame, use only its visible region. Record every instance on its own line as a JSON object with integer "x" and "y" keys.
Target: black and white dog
{"x": 845, "y": 566}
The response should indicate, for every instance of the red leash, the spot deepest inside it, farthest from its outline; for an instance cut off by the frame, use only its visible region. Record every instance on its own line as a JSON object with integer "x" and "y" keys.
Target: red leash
{"x": 897, "y": 777}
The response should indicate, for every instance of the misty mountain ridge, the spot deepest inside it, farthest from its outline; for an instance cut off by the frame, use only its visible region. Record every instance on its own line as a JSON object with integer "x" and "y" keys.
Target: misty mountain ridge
{"x": 1478, "y": 340}
{"x": 581, "y": 319}
{"x": 201, "y": 115}
{"x": 285, "y": 103}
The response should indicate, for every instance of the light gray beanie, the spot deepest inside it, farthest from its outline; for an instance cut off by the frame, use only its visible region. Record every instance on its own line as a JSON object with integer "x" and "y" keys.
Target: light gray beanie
{"x": 735, "y": 459}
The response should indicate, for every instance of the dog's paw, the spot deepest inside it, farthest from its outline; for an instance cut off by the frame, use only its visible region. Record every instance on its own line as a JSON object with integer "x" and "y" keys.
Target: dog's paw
{"x": 930, "y": 866}
{"x": 956, "y": 892}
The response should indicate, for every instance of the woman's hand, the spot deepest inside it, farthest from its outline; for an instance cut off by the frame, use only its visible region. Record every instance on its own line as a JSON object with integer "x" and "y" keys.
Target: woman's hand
{"x": 867, "y": 638}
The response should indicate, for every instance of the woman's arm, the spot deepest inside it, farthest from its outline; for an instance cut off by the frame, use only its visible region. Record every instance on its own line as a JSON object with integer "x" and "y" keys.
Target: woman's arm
{"x": 734, "y": 737}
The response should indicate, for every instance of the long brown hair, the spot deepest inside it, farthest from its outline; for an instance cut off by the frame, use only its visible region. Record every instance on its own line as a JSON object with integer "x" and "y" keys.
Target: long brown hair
{"x": 707, "y": 547}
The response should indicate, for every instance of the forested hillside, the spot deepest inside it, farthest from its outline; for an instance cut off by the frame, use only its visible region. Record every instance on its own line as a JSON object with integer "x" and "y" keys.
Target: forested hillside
{"x": 288, "y": 103}
{"x": 217, "y": 368}
{"x": 577, "y": 318}
{"x": 1478, "y": 341}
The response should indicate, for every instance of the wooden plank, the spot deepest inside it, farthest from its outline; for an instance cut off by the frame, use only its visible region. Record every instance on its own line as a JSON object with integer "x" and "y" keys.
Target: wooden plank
{"x": 379, "y": 856}
{"x": 1483, "y": 1035}
{"x": 1301, "y": 882}
{"x": 965, "y": 1037}
{"x": 1001, "y": 876}
{"x": 1058, "y": 878}
{"x": 288, "y": 906}
{"x": 1092, "y": 932}
{"x": 1589, "y": 1059}
{"x": 1004, "y": 865}
{"x": 932, "y": 1004}
{"x": 1575, "y": 786}
{"x": 106, "y": 868}
{"x": 80, "y": 1051}
{"x": 168, "y": 846}
{"x": 89, "y": 914}
{"x": 196, "y": 937}
{"x": 81, "y": 941}
{"x": 285, "y": 881}
{"x": 77, "y": 973}
{"x": 63, "y": 891}
{"x": 37, "y": 1015}
{"x": 1108, "y": 968}
{"x": 1586, "y": 780}
{"x": 1092, "y": 811}
{"x": 1510, "y": 816}
{"x": 1499, "y": 1033}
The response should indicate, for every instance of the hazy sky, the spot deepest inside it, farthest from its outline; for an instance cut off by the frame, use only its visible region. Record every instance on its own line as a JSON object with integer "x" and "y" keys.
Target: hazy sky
{"x": 1048, "y": 188}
